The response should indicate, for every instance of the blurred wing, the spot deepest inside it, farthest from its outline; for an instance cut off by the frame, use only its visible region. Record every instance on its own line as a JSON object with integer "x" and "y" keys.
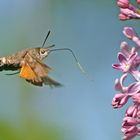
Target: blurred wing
{"x": 36, "y": 72}
{"x": 46, "y": 80}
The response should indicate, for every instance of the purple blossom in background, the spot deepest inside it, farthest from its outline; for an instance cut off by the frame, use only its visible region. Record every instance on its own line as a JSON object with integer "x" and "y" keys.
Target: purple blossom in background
{"x": 138, "y": 1}
{"x": 129, "y": 61}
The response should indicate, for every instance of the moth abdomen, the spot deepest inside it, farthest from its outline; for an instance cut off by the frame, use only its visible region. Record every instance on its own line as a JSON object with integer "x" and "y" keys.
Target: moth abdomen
{"x": 9, "y": 67}
{"x": 6, "y": 64}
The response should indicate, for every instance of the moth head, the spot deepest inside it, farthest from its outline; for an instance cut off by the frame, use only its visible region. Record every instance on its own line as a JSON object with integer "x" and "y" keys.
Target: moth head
{"x": 43, "y": 52}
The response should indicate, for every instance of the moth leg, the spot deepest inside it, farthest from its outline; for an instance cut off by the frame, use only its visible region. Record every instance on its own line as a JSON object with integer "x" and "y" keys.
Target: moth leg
{"x": 13, "y": 73}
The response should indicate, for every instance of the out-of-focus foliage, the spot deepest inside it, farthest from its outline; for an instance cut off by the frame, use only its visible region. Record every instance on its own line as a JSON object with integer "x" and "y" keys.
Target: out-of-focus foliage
{"x": 33, "y": 130}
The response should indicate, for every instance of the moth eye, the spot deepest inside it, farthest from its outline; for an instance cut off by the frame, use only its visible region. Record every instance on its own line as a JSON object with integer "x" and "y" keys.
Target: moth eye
{"x": 42, "y": 51}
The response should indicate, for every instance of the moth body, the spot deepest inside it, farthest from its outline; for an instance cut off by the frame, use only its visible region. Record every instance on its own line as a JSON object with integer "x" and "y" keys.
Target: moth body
{"x": 30, "y": 66}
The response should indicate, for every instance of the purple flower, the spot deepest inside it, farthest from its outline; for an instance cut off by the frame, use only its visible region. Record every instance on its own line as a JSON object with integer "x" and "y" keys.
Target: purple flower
{"x": 123, "y": 17}
{"x": 119, "y": 84}
{"x": 129, "y": 59}
{"x": 129, "y": 62}
{"x": 130, "y": 90}
{"x": 123, "y": 3}
{"x": 127, "y": 10}
{"x": 130, "y": 128}
{"x": 126, "y": 5}
{"x": 132, "y": 111}
{"x": 125, "y": 49}
{"x": 129, "y": 13}
{"x": 125, "y": 63}
{"x": 129, "y": 121}
{"x": 136, "y": 98}
{"x": 119, "y": 100}
{"x": 130, "y": 33}
{"x": 129, "y": 132}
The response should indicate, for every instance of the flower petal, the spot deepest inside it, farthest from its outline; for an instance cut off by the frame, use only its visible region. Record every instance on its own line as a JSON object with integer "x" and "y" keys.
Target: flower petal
{"x": 119, "y": 83}
{"x": 134, "y": 87}
{"x": 129, "y": 32}
{"x": 122, "y": 58}
{"x": 117, "y": 66}
{"x": 133, "y": 57}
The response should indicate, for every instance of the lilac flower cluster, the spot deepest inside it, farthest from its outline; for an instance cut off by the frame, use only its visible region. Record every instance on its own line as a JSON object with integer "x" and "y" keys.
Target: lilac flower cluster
{"x": 129, "y": 62}
{"x": 127, "y": 10}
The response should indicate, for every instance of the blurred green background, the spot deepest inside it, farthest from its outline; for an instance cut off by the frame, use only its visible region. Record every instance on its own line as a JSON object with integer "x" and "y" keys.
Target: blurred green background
{"x": 81, "y": 109}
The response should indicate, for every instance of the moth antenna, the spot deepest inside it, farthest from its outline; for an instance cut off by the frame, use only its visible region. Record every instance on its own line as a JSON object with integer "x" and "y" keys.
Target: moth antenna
{"x": 77, "y": 62}
{"x": 46, "y": 38}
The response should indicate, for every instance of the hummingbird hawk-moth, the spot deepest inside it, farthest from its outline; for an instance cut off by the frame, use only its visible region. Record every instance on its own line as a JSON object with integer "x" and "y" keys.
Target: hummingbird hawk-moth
{"x": 29, "y": 64}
